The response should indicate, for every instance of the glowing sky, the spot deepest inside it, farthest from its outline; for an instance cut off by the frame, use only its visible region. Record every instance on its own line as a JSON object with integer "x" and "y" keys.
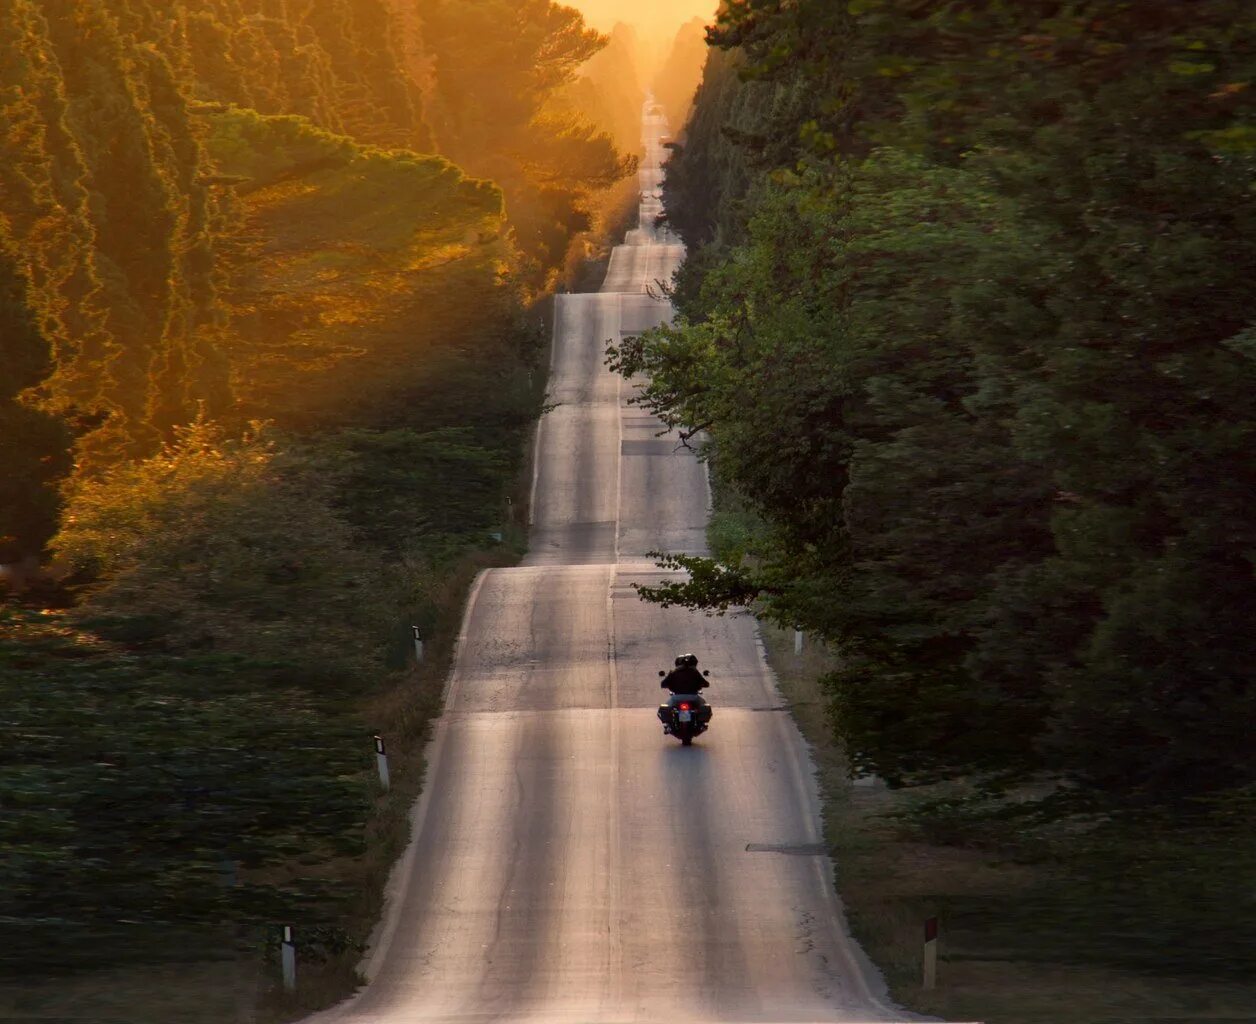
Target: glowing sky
{"x": 650, "y": 17}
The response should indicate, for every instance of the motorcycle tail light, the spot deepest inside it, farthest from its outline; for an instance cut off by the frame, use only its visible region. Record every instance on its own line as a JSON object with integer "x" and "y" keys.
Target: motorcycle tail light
{"x": 684, "y": 707}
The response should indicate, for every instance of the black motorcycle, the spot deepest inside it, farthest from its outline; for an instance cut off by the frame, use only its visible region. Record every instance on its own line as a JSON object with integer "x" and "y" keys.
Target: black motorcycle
{"x": 685, "y": 715}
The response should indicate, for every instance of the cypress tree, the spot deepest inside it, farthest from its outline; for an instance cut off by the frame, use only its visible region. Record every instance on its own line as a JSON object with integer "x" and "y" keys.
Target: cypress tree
{"x": 34, "y": 445}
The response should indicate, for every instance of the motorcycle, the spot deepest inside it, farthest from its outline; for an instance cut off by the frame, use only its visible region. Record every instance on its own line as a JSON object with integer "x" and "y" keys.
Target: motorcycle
{"x": 685, "y": 715}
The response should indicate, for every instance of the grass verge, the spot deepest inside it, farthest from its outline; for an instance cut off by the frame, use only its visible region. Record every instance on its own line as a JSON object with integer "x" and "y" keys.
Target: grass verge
{"x": 409, "y": 709}
{"x": 1027, "y": 936}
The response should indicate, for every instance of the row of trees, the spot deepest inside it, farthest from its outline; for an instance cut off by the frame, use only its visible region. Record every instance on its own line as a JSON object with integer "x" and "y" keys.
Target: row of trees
{"x": 266, "y": 370}
{"x": 968, "y": 318}
{"x": 131, "y": 213}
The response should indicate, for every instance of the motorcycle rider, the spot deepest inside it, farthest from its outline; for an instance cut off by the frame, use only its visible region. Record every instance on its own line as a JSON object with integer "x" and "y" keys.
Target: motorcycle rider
{"x": 683, "y": 678}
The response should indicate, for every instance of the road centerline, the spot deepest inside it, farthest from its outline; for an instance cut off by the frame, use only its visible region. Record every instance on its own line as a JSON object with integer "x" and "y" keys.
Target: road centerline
{"x": 568, "y": 863}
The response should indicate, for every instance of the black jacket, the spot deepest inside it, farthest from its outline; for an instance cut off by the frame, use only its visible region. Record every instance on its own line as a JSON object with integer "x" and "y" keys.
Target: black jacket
{"x": 685, "y": 679}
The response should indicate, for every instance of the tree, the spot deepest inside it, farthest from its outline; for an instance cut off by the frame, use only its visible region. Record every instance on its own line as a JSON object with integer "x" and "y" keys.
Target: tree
{"x": 990, "y": 283}
{"x": 499, "y": 69}
{"x": 33, "y": 445}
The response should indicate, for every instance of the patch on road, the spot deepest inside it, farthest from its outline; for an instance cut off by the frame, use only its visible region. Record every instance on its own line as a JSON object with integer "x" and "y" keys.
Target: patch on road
{"x": 660, "y": 447}
{"x": 793, "y": 849}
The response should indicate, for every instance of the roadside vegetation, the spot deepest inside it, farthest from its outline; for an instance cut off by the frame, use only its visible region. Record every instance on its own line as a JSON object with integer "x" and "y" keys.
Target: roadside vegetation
{"x": 272, "y": 338}
{"x": 1125, "y": 923}
{"x": 967, "y": 321}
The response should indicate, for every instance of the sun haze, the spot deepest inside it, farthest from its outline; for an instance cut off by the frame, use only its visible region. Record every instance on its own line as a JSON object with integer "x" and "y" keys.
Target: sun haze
{"x": 654, "y": 19}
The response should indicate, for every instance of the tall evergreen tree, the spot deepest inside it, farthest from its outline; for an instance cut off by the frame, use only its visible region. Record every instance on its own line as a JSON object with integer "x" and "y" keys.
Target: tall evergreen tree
{"x": 53, "y": 308}
{"x": 34, "y": 445}
{"x": 132, "y": 209}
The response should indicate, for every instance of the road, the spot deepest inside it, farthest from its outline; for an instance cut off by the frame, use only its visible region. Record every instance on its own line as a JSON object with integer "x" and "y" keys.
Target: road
{"x": 569, "y": 862}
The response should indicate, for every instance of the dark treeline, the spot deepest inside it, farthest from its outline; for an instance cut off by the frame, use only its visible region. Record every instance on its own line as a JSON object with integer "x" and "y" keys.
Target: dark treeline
{"x": 266, "y": 368}
{"x": 968, "y": 319}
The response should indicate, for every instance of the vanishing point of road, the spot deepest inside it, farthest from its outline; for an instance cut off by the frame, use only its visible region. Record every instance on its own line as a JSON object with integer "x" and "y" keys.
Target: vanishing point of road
{"x": 568, "y": 862}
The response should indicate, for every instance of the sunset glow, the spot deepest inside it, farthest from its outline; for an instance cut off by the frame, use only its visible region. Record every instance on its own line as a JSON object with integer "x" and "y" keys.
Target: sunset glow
{"x": 654, "y": 19}
{"x": 430, "y": 430}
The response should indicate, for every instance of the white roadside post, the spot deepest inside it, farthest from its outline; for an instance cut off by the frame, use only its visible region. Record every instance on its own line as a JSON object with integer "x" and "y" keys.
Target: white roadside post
{"x": 418, "y": 644}
{"x": 931, "y": 955}
{"x": 288, "y": 952}
{"x": 381, "y": 762}
{"x": 797, "y": 642}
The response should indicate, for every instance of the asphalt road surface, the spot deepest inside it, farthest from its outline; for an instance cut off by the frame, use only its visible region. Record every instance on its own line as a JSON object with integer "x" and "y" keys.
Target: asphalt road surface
{"x": 569, "y": 862}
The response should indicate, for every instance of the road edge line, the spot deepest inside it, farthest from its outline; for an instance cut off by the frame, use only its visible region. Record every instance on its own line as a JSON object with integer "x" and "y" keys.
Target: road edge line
{"x": 869, "y": 976}
{"x": 559, "y": 303}
{"x": 397, "y": 887}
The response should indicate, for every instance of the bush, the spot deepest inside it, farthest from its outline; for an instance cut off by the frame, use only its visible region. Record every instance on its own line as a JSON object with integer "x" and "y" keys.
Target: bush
{"x": 229, "y": 546}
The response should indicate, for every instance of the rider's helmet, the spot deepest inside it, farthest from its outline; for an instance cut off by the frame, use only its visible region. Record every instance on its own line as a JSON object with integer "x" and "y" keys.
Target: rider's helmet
{"x": 687, "y": 659}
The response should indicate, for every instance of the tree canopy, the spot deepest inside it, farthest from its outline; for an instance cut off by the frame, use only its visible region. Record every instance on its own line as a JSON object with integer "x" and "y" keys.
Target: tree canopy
{"x": 500, "y": 69}
{"x": 201, "y": 201}
{"x": 968, "y": 325}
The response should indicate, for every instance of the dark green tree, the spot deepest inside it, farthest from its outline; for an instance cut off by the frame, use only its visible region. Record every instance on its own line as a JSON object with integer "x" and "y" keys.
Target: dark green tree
{"x": 34, "y": 446}
{"x": 992, "y": 278}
